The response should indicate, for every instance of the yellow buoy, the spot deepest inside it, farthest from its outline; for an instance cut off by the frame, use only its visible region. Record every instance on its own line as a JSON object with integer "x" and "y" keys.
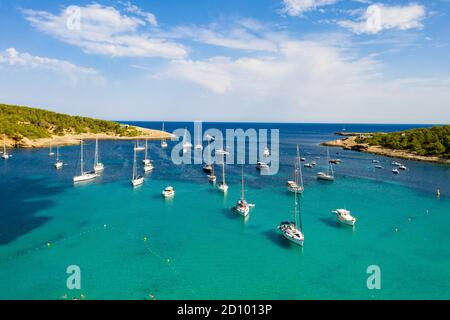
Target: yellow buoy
{"x": 438, "y": 193}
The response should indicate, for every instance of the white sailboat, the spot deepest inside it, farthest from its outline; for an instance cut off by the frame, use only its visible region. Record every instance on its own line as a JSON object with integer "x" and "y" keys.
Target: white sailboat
{"x": 212, "y": 176}
{"x": 223, "y": 185}
{"x": 199, "y": 145}
{"x": 208, "y": 166}
{"x": 98, "y": 166}
{"x": 329, "y": 175}
{"x": 293, "y": 231}
{"x": 262, "y": 165}
{"x": 58, "y": 164}
{"x": 168, "y": 192}
{"x": 187, "y": 145}
{"x": 50, "y": 152}
{"x": 296, "y": 186}
{"x": 344, "y": 217}
{"x": 148, "y": 166}
{"x": 84, "y": 176}
{"x": 138, "y": 147}
{"x": 163, "y": 141}
{"x": 242, "y": 207}
{"x": 5, "y": 154}
{"x": 136, "y": 180}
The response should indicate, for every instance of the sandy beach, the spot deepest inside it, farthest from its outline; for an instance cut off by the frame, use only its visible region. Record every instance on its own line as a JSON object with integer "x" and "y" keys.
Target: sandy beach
{"x": 74, "y": 139}
{"x": 350, "y": 143}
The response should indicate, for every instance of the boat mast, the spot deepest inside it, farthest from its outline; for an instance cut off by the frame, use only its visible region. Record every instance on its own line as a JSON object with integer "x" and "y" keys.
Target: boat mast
{"x": 146, "y": 147}
{"x": 134, "y": 164}
{"x": 299, "y": 166}
{"x": 81, "y": 160}
{"x": 298, "y": 222}
{"x": 243, "y": 190}
{"x": 330, "y": 166}
{"x": 223, "y": 170}
{"x": 4, "y": 145}
{"x": 96, "y": 152}
{"x": 57, "y": 153}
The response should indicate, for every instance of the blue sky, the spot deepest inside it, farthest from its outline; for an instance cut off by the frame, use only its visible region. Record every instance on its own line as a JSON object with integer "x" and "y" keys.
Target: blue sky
{"x": 253, "y": 60}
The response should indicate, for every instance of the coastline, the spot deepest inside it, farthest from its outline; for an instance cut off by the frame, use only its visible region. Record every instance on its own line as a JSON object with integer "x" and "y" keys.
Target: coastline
{"x": 74, "y": 139}
{"x": 349, "y": 143}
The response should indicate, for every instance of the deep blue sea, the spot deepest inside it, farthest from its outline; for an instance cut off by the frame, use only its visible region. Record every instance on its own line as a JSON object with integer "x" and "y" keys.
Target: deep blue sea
{"x": 132, "y": 244}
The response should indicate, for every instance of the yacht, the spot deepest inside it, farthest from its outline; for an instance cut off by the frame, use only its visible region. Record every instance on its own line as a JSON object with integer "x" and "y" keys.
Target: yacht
{"x": 5, "y": 154}
{"x": 308, "y": 165}
{"x": 296, "y": 186}
{"x": 242, "y": 207}
{"x": 396, "y": 164}
{"x": 98, "y": 166}
{"x": 395, "y": 171}
{"x": 148, "y": 165}
{"x": 266, "y": 152}
{"x": 199, "y": 145}
{"x": 50, "y": 152}
{"x": 293, "y": 230}
{"x": 402, "y": 167}
{"x": 138, "y": 147}
{"x": 379, "y": 167}
{"x": 207, "y": 168}
{"x": 303, "y": 159}
{"x": 262, "y": 165}
{"x": 329, "y": 175}
{"x": 168, "y": 192}
{"x": 223, "y": 185}
{"x": 58, "y": 164}
{"x": 84, "y": 176}
{"x": 136, "y": 180}
{"x": 344, "y": 217}
{"x": 187, "y": 145}
{"x": 163, "y": 141}
{"x": 375, "y": 161}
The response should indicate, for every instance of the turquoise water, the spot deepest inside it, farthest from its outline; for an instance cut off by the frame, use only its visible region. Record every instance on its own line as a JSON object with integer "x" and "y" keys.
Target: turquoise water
{"x": 197, "y": 248}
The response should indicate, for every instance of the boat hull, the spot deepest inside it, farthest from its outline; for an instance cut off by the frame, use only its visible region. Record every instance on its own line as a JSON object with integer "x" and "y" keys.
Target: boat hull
{"x": 243, "y": 211}
{"x": 137, "y": 182}
{"x": 85, "y": 177}
{"x": 350, "y": 223}
{"x": 58, "y": 165}
{"x": 168, "y": 194}
{"x": 325, "y": 177}
{"x": 148, "y": 168}
{"x": 223, "y": 188}
{"x": 296, "y": 241}
{"x": 99, "y": 168}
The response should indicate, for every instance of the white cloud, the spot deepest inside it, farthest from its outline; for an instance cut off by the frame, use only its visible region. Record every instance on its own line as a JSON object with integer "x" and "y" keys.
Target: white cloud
{"x": 305, "y": 63}
{"x": 14, "y": 58}
{"x": 307, "y": 80}
{"x": 298, "y": 7}
{"x": 106, "y": 31}
{"x": 149, "y": 17}
{"x": 380, "y": 17}
{"x": 246, "y": 34}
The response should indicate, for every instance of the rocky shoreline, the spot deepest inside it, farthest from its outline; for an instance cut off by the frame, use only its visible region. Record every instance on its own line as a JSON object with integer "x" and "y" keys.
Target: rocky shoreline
{"x": 350, "y": 143}
{"x": 74, "y": 139}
